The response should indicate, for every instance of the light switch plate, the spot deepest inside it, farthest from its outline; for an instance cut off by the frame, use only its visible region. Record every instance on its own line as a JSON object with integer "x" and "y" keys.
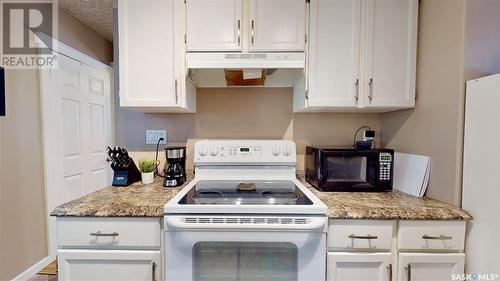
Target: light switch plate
{"x": 152, "y": 136}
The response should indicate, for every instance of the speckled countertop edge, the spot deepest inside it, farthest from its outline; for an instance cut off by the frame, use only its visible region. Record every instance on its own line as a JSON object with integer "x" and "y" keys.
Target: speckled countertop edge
{"x": 138, "y": 200}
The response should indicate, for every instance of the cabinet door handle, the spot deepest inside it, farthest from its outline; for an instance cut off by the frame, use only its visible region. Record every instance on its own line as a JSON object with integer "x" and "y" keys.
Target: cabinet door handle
{"x": 370, "y": 94}
{"x": 440, "y": 237}
{"x": 366, "y": 237}
{"x": 153, "y": 271}
{"x": 239, "y": 32}
{"x": 253, "y": 32}
{"x": 99, "y": 233}
{"x": 356, "y": 95}
{"x": 408, "y": 272}
{"x": 175, "y": 90}
{"x": 389, "y": 267}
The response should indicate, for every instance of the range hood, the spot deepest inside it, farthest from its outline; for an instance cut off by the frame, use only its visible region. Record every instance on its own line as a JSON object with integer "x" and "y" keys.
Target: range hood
{"x": 244, "y": 69}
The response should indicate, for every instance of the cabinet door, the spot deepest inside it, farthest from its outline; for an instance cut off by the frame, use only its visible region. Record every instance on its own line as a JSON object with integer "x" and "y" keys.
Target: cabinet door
{"x": 358, "y": 266}
{"x": 390, "y": 53}
{"x": 147, "y": 53}
{"x": 108, "y": 265}
{"x": 277, "y": 25}
{"x": 429, "y": 267}
{"x": 334, "y": 53}
{"x": 214, "y": 25}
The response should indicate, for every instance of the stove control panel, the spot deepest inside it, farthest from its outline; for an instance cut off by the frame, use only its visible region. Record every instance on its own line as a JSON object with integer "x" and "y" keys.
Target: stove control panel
{"x": 245, "y": 151}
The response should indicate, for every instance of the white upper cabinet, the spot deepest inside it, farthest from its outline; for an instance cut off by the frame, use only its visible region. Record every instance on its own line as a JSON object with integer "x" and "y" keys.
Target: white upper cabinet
{"x": 334, "y": 33}
{"x": 390, "y": 61}
{"x": 277, "y": 25}
{"x": 151, "y": 51}
{"x": 214, "y": 25}
{"x": 361, "y": 56}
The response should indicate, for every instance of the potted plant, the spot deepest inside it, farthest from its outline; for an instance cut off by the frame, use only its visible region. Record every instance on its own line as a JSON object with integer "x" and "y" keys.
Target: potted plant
{"x": 147, "y": 167}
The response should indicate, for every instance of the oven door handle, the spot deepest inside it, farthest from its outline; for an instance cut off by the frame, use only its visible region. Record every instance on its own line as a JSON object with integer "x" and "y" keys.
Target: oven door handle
{"x": 179, "y": 223}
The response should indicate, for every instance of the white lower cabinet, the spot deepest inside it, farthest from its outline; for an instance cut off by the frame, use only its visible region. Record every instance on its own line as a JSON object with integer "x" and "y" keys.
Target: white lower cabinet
{"x": 358, "y": 266}
{"x": 109, "y": 249}
{"x": 109, "y": 265}
{"x": 429, "y": 266}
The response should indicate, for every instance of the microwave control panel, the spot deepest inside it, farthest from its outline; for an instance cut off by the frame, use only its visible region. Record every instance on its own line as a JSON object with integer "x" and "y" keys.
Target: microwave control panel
{"x": 385, "y": 160}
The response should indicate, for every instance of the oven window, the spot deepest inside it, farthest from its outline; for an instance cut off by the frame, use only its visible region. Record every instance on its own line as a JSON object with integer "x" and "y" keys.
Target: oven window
{"x": 245, "y": 261}
{"x": 346, "y": 169}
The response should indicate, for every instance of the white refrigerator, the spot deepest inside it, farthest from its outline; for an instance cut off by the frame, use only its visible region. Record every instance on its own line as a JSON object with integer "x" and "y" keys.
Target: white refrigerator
{"x": 481, "y": 175}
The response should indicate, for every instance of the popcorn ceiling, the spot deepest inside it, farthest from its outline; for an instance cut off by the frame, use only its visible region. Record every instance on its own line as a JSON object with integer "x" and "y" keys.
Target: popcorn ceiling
{"x": 96, "y": 14}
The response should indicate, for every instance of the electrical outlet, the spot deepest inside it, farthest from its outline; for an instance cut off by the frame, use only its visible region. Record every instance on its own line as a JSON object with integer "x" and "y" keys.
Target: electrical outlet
{"x": 152, "y": 136}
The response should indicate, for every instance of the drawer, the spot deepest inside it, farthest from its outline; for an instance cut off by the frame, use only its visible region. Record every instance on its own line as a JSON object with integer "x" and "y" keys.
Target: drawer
{"x": 360, "y": 234}
{"x": 431, "y": 235}
{"x": 108, "y": 233}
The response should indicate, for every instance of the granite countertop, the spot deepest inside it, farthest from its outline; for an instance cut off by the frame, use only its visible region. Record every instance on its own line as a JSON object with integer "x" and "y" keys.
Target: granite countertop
{"x": 395, "y": 205}
{"x": 138, "y": 200}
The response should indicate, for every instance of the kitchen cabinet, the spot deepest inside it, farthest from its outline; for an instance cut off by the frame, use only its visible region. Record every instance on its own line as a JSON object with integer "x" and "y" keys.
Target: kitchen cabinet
{"x": 361, "y": 57}
{"x": 151, "y": 51}
{"x": 109, "y": 265}
{"x": 390, "y": 54}
{"x": 214, "y": 25}
{"x": 358, "y": 266}
{"x": 429, "y": 266}
{"x": 277, "y": 25}
{"x": 105, "y": 248}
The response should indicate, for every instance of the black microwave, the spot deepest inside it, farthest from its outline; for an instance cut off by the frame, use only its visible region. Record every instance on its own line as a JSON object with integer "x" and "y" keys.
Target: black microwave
{"x": 347, "y": 169}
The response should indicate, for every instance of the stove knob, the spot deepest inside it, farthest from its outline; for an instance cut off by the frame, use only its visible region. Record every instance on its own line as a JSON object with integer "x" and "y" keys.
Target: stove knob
{"x": 276, "y": 151}
{"x": 203, "y": 151}
{"x": 214, "y": 151}
{"x": 286, "y": 151}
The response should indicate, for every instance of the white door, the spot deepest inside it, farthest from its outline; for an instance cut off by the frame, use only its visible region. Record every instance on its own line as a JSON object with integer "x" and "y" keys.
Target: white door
{"x": 390, "y": 53}
{"x": 148, "y": 77}
{"x": 277, "y": 25}
{"x": 334, "y": 34}
{"x": 109, "y": 265}
{"x": 76, "y": 106}
{"x": 429, "y": 267}
{"x": 214, "y": 25}
{"x": 358, "y": 266}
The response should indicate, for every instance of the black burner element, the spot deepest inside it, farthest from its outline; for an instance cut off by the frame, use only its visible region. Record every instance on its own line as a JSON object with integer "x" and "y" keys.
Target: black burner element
{"x": 216, "y": 192}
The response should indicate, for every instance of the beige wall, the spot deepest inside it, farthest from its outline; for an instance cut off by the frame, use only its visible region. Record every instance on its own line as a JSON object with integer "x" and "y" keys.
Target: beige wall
{"x": 23, "y": 232}
{"x": 458, "y": 40}
{"x": 253, "y": 113}
{"x": 482, "y": 38}
{"x": 73, "y": 33}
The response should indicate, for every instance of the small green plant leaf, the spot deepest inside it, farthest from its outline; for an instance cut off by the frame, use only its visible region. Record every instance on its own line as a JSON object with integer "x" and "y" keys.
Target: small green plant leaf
{"x": 147, "y": 165}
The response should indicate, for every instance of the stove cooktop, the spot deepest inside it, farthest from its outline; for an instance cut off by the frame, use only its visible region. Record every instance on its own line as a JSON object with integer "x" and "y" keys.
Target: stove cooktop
{"x": 217, "y": 192}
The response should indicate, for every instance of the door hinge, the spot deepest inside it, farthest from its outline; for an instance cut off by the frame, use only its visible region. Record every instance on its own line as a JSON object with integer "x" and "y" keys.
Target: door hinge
{"x": 416, "y": 92}
{"x": 307, "y": 94}
{"x": 185, "y": 39}
{"x": 308, "y": 1}
{"x": 305, "y": 38}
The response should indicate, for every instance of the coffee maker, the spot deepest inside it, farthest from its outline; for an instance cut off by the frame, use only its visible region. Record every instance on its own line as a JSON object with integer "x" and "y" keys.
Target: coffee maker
{"x": 175, "y": 166}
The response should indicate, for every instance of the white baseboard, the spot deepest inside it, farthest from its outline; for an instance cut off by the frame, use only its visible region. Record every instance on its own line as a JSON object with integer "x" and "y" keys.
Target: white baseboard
{"x": 30, "y": 272}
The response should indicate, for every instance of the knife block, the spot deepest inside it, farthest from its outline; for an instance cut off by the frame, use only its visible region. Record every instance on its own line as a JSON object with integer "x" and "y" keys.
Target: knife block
{"x": 127, "y": 175}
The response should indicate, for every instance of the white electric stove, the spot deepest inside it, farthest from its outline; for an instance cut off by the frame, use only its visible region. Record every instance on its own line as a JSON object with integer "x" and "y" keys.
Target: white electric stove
{"x": 245, "y": 216}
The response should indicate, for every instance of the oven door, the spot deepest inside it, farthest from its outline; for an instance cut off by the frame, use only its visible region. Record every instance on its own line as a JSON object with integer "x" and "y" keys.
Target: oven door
{"x": 210, "y": 250}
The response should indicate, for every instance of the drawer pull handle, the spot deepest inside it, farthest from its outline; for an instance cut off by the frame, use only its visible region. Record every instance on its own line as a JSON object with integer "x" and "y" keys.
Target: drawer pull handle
{"x": 408, "y": 272}
{"x": 367, "y": 237}
{"x": 153, "y": 271}
{"x": 440, "y": 237}
{"x": 390, "y": 271}
{"x": 99, "y": 233}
